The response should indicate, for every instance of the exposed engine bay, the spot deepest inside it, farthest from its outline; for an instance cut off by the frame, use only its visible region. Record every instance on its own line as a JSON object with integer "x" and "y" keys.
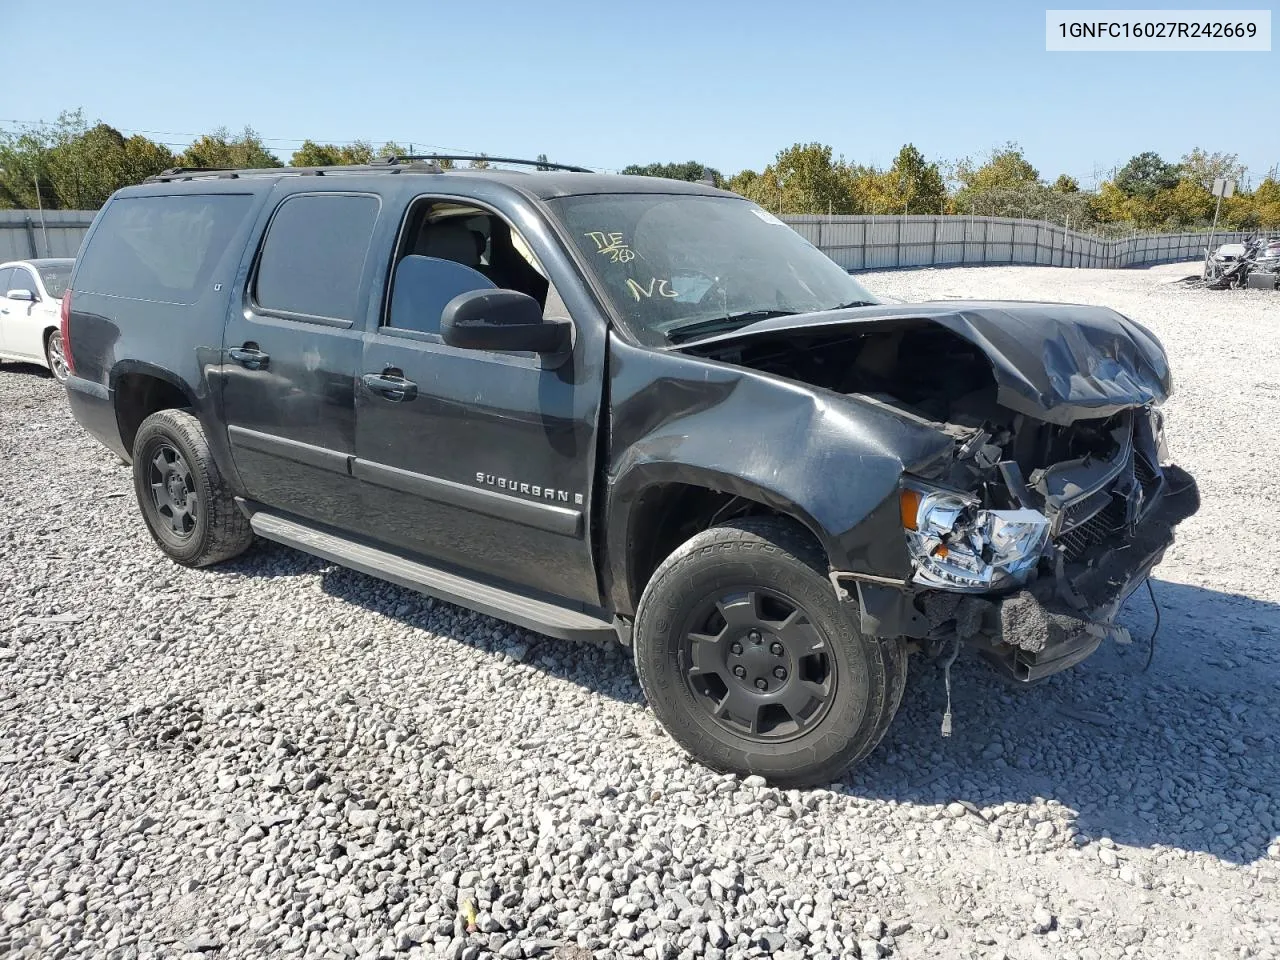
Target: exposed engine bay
{"x": 1024, "y": 541}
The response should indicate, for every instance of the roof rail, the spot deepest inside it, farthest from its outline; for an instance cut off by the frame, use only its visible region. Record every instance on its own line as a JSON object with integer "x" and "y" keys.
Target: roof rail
{"x": 400, "y": 163}
{"x": 542, "y": 164}
{"x": 229, "y": 173}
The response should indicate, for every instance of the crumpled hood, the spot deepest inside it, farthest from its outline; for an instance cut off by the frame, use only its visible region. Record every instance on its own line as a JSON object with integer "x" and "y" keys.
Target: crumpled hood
{"x": 1053, "y": 361}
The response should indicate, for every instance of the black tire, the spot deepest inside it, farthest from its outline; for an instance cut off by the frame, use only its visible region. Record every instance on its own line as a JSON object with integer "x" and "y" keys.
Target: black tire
{"x": 182, "y": 496}
{"x": 774, "y": 567}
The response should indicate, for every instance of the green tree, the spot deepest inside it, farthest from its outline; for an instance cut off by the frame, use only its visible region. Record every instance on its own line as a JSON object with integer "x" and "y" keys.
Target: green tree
{"x": 691, "y": 171}
{"x": 1003, "y": 184}
{"x": 479, "y": 163}
{"x": 312, "y": 154}
{"x": 1145, "y": 175}
{"x": 1066, "y": 184}
{"x": 803, "y": 178}
{"x": 78, "y": 166}
{"x": 220, "y": 150}
{"x": 742, "y": 182}
{"x": 914, "y": 185}
{"x": 542, "y": 162}
{"x": 1203, "y": 168}
{"x": 1004, "y": 168}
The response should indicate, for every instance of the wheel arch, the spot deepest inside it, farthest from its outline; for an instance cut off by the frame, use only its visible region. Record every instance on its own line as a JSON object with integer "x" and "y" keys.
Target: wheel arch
{"x": 654, "y": 509}
{"x": 139, "y": 389}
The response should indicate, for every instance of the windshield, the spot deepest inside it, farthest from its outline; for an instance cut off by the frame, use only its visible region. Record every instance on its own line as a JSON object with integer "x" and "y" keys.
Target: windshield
{"x": 55, "y": 278}
{"x": 681, "y": 266}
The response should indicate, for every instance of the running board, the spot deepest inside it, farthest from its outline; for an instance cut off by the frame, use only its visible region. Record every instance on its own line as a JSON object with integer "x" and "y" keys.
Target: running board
{"x": 537, "y": 615}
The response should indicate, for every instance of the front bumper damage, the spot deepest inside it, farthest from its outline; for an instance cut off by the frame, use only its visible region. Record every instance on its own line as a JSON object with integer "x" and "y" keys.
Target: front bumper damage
{"x": 1055, "y": 620}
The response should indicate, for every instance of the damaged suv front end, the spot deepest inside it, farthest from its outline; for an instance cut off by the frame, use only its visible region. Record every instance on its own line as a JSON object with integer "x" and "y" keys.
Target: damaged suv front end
{"x": 1036, "y": 583}
{"x": 986, "y": 472}
{"x": 1055, "y": 499}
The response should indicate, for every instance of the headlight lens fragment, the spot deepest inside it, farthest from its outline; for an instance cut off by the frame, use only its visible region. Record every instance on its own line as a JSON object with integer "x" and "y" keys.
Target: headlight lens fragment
{"x": 958, "y": 545}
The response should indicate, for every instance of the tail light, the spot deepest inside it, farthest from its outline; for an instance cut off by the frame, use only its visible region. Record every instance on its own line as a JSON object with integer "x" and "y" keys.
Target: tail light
{"x": 66, "y": 330}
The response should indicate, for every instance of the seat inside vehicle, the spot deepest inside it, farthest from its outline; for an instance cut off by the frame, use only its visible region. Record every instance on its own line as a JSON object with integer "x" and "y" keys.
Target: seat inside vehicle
{"x": 477, "y": 239}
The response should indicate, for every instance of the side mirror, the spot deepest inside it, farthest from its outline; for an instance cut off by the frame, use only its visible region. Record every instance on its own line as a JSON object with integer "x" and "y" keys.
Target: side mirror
{"x": 23, "y": 294}
{"x": 502, "y": 320}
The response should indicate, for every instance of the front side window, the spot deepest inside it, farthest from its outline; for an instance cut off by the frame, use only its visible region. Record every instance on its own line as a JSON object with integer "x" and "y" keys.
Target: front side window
{"x": 448, "y": 248}
{"x": 314, "y": 255}
{"x": 160, "y": 248}
{"x": 680, "y": 266}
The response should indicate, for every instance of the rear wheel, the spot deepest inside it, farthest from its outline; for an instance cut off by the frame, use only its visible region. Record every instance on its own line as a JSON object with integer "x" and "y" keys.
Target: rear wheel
{"x": 183, "y": 499}
{"x": 751, "y": 663}
{"x": 55, "y": 356}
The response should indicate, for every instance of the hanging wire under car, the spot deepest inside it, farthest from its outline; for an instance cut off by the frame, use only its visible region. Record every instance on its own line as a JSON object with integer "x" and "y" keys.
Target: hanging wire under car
{"x": 946, "y": 674}
{"x": 1151, "y": 648}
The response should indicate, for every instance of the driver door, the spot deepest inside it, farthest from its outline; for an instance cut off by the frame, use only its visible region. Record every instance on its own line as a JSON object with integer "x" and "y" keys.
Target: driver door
{"x": 478, "y": 460}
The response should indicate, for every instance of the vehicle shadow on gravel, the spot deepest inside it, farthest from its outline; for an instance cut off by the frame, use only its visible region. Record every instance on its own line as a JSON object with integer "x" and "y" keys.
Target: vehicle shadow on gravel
{"x": 1185, "y": 755}
{"x": 604, "y": 668}
{"x": 31, "y": 369}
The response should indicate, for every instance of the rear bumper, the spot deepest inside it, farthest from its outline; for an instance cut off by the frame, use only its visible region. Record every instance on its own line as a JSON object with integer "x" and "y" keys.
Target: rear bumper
{"x": 92, "y": 406}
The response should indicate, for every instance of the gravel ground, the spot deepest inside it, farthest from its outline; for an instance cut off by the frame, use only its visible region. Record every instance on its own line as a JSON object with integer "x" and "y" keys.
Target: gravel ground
{"x": 278, "y": 757}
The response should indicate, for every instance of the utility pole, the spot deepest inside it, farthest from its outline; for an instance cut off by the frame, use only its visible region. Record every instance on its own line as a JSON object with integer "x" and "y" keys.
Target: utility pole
{"x": 1221, "y": 187}
{"x": 44, "y": 234}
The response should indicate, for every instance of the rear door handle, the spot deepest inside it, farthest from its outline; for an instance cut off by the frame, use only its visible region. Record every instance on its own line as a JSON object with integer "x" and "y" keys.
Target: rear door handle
{"x": 250, "y": 356}
{"x": 391, "y": 385}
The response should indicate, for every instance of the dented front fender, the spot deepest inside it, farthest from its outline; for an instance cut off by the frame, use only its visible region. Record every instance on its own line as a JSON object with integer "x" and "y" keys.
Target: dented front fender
{"x": 832, "y": 462}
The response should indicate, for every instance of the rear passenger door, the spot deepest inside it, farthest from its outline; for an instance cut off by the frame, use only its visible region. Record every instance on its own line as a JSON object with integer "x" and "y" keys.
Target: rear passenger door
{"x": 291, "y": 351}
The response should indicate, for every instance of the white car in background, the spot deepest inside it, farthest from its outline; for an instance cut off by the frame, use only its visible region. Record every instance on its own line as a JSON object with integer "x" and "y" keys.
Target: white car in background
{"x": 30, "y": 312}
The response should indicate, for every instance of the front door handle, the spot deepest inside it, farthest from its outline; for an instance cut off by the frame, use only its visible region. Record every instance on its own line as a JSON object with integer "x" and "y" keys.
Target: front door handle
{"x": 391, "y": 385}
{"x": 249, "y": 356}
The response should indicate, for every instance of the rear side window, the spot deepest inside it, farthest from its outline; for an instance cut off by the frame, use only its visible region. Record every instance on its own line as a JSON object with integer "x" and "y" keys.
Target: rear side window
{"x": 314, "y": 255}
{"x": 160, "y": 248}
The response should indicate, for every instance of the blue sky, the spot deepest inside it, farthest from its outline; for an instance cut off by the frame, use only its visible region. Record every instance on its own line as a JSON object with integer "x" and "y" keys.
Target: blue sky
{"x": 606, "y": 84}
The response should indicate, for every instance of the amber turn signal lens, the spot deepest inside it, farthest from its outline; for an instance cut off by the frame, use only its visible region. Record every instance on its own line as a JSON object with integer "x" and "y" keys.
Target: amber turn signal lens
{"x": 910, "y": 504}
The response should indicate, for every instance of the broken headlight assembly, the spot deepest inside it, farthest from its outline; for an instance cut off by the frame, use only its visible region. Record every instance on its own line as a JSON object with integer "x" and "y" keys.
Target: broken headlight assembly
{"x": 957, "y": 544}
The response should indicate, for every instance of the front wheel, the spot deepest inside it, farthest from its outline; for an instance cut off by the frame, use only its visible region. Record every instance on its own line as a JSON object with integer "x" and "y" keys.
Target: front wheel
{"x": 751, "y": 663}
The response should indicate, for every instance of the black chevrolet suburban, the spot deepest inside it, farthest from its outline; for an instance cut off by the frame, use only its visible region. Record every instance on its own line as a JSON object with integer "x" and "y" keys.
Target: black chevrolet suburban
{"x": 607, "y": 406}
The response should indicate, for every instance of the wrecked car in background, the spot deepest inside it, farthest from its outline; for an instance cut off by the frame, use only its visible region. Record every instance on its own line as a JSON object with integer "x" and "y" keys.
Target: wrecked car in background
{"x": 623, "y": 407}
{"x": 1254, "y": 264}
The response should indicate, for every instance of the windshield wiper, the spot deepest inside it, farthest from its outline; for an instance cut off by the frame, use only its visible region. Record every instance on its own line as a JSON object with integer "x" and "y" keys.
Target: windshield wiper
{"x": 856, "y": 303}
{"x": 732, "y": 321}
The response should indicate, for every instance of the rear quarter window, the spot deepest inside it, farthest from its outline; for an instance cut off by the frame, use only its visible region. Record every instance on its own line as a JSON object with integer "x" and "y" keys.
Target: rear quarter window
{"x": 160, "y": 248}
